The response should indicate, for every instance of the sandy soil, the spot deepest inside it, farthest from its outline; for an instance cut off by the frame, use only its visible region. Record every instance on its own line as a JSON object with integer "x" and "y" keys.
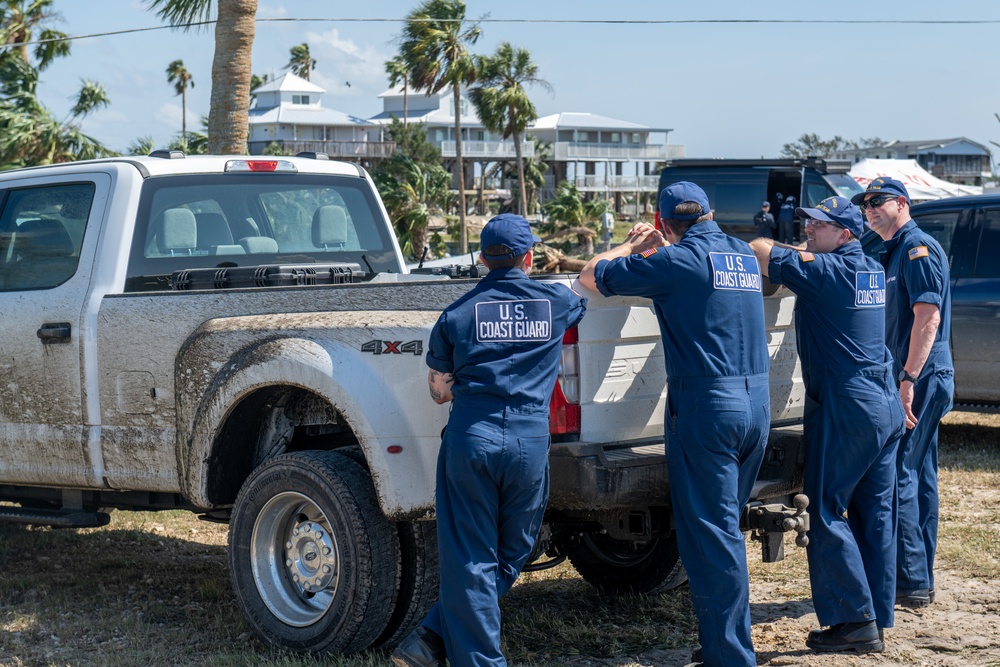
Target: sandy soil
{"x": 962, "y": 626}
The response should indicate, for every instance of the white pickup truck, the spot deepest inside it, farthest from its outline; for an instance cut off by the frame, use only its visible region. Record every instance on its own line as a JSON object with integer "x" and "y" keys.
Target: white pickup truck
{"x": 240, "y": 337}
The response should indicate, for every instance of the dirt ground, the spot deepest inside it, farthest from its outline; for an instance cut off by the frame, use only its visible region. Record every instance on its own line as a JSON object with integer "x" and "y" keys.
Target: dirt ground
{"x": 153, "y": 589}
{"x": 962, "y": 626}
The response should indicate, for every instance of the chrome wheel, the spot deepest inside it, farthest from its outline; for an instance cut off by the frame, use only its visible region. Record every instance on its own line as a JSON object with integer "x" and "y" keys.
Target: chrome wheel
{"x": 295, "y": 559}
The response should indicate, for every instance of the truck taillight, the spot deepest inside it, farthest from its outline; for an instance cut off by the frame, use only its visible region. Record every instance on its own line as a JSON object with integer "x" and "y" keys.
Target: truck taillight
{"x": 235, "y": 166}
{"x": 564, "y": 408}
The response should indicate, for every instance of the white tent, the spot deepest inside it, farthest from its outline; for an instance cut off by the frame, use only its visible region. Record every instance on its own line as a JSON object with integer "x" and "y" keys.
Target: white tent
{"x": 919, "y": 182}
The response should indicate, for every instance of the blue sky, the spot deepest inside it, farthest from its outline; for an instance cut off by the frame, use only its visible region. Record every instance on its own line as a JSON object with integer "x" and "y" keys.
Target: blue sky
{"x": 726, "y": 90}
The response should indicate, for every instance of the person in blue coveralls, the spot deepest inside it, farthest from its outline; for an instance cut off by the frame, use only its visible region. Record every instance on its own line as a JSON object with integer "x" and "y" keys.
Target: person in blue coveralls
{"x": 853, "y": 423}
{"x": 917, "y": 330}
{"x": 706, "y": 292}
{"x": 786, "y": 221}
{"x": 494, "y": 354}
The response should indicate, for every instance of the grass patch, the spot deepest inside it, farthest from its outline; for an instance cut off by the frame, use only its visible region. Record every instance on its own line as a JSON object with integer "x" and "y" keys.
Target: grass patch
{"x": 153, "y": 588}
{"x": 553, "y": 614}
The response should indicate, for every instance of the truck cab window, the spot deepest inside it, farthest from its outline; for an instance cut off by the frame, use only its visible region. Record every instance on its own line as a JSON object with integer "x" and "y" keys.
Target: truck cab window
{"x": 41, "y": 231}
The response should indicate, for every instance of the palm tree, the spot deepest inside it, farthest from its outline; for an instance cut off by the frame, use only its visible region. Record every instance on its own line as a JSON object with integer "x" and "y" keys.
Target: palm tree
{"x": 412, "y": 193}
{"x": 535, "y": 168}
{"x": 502, "y": 102}
{"x": 396, "y": 69}
{"x": 433, "y": 46}
{"x": 301, "y": 62}
{"x": 178, "y": 75}
{"x": 141, "y": 146}
{"x": 30, "y": 134}
{"x": 255, "y": 83}
{"x": 18, "y": 21}
{"x": 234, "y": 32}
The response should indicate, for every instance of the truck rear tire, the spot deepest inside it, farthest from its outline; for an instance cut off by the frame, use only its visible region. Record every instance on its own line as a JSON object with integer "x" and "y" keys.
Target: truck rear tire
{"x": 314, "y": 562}
{"x": 617, "y": 566}
{"x": 418, "y": 583}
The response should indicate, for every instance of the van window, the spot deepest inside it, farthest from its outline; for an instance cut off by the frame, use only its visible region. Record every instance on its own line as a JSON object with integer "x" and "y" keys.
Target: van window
{"x": 815, "y": 193}
{"x": 988, "y": 254}
{"x": 735, "y": 200}
{"x": 844, "y": 185}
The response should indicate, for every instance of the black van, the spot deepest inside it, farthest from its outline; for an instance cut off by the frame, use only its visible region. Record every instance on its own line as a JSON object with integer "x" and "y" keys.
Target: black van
{"x": 736, "y": 188}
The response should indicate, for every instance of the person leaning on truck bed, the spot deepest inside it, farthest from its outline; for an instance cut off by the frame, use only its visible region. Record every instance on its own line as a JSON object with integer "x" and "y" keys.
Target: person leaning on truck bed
{"x": 917, "y": 330}
{"x": 494, "y": 354}
{"x": 853, "y": 423}
{"x": 706, "y": 291}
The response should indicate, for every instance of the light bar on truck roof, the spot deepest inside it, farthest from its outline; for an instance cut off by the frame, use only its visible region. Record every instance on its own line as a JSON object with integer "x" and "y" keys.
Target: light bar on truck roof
{"x": 256, "y": 166}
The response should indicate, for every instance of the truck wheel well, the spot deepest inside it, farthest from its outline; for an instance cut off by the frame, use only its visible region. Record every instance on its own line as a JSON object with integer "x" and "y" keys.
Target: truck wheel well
{"x": 271, "y": 421}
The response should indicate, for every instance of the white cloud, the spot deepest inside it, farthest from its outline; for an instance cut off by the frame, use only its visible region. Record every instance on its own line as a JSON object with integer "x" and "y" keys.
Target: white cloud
{"x": 341, "y": 61}
{"x": 170, "y": 115}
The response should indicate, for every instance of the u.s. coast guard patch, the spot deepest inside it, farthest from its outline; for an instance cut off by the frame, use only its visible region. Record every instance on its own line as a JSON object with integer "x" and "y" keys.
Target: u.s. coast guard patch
{"x": 734, "y": 271}
{"x": 869, "y": 289}
{"x": 917, "y": 252}
{"x": 523, "y": 321}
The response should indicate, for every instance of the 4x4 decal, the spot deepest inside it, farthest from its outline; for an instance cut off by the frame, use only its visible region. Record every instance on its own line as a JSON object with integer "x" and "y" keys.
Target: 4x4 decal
{"x": 415, "y": 347}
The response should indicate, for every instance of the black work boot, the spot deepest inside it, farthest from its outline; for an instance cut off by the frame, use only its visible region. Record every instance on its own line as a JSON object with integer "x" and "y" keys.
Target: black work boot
{"x": 862, "y": 637}
{"x": 421, "y": 648}
{"x": 695, "y": 658}
{"x": 916, "y": 598}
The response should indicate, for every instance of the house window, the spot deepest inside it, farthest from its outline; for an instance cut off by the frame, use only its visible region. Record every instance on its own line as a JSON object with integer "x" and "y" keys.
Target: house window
{"x": 300, "y": 99}
{"x": 616, "y": 137}
{"x": 635, "y": 138}
{"x": 480, "y": 136}
{"x": 462, "y": 103}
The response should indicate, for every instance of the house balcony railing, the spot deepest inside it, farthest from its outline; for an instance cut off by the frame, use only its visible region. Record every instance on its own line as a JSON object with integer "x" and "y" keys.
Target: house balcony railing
{"x": 338, "y": 150}
{"x": 617, "y": 183}
{"x": 492, "y": 150}
{"x": 570, "y": 150}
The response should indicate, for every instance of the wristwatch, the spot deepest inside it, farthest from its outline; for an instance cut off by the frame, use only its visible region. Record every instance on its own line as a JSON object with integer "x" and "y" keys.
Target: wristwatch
{"x": 906, "y": 377}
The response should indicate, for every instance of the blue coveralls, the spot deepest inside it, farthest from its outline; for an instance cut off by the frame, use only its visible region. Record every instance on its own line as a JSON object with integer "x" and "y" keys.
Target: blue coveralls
{"x": 853, "y": 424}
{"x": 502, "y": 342}
{"x": 917, "y": 272}
{"x": 707, "y": 297}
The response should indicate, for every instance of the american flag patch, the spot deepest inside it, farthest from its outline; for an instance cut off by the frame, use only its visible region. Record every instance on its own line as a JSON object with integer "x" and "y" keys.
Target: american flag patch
{"x": 806, "y": 256}
{"x": 648, "y": 253}
{"x": 917, "y": 252}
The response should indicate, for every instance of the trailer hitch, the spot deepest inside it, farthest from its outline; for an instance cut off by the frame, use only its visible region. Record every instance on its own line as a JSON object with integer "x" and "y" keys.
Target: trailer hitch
{"x": 769, "y": 523}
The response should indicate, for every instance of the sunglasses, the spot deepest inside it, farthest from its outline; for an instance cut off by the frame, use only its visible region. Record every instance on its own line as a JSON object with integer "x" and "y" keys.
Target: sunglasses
{"x": 876, "y": 201}
{"x": 816, "y": 224}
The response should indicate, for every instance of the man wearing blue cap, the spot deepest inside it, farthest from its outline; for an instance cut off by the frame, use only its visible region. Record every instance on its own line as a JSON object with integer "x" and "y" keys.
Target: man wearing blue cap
{"x": 706, "y": 291}
{"x": 853, "y": 423}
{"x": 494, "y": 354}
{"x": 917, "y": 330}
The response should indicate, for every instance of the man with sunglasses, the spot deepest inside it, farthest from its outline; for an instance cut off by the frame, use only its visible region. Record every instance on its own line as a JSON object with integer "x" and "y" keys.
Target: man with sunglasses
{"x": 918, "y": 328}
{"x": 853, "y": 423}
{"x": 706, "y": 291}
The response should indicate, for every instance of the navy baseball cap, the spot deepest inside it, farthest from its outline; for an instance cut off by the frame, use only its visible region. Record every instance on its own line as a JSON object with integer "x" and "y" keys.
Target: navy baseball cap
{"x": 882, "y": 185}
{"x": 838, "y": 210}
{"x": 682, "y": 192}
{"x": 510, "y": 230}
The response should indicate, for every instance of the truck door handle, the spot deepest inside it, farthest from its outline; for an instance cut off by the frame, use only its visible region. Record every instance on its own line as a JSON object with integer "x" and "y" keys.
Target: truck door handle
{"x": 55, "y": 332}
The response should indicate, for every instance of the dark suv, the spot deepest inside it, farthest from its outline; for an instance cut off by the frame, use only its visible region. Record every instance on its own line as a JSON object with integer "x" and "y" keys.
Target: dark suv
{"x": 968, "y": 229}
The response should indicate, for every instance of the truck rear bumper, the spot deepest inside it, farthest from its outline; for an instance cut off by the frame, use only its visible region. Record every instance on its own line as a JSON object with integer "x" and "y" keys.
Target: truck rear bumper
{"x": 608, "y": 476}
